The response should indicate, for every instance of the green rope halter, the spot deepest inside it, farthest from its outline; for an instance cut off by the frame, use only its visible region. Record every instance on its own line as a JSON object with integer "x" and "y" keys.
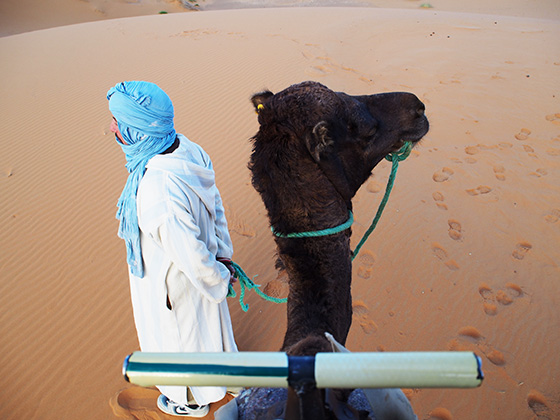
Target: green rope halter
{"x": 316, "y": 233}
{"x": 246, "y": 283}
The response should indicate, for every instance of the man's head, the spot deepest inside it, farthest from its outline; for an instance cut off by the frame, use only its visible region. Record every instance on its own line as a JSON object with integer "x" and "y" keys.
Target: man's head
{"x": 143, "y": 124}
{"x": 141, "y": 110}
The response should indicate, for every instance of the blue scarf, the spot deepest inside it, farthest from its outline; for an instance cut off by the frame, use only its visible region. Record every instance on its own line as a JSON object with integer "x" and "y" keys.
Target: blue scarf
{"x": 144, "y": 114}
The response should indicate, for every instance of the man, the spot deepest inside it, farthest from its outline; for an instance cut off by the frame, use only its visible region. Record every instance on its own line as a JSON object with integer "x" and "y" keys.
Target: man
{"x": 178, "y": 246}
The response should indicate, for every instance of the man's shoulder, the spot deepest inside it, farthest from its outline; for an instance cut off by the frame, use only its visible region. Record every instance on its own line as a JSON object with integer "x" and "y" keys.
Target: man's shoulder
{"x": 153, "y": 183}
{"x": 193, "y": 151}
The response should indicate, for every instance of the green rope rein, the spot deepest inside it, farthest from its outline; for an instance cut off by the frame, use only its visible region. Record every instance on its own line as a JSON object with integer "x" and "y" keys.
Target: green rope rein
{"x": 395, "y": 158}
{"x": 246, "y": 283}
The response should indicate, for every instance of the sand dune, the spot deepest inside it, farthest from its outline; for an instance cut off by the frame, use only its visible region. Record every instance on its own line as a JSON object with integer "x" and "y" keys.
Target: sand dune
{"x": 18, "y": 16}
{"x": 465, "y": 257}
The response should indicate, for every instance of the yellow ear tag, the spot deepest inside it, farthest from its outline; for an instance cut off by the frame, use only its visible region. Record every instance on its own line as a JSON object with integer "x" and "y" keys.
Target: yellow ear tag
{"x": 259, "y": 107}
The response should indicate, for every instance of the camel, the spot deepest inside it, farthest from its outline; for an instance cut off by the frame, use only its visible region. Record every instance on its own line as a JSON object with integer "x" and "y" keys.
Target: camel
{"x": 312, "y": 152}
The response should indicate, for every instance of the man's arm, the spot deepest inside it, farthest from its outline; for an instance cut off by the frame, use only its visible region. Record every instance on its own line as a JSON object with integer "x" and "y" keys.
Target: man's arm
{"x": 179, "y": 239}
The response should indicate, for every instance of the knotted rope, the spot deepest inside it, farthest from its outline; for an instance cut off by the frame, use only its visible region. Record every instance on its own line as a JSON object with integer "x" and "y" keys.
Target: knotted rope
{"x": 246, "y": 283}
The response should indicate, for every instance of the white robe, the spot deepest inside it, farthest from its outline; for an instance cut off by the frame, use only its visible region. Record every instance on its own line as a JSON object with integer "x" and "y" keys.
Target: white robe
{"x": 183, "y": 230}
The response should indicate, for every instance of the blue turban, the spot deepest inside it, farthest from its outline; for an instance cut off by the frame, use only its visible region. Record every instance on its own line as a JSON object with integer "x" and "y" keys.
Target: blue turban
{"x": 144, "y": 114}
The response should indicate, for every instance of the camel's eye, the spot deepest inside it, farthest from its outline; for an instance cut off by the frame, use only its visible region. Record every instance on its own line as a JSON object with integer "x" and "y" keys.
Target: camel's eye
{"x": 370, "y": 132}
{"x": 363, "y": 129}
{"x": 366, "y": 133}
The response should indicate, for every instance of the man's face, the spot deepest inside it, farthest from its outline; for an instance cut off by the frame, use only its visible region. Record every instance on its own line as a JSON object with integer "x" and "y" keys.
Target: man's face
{"x": 115, "y": 129}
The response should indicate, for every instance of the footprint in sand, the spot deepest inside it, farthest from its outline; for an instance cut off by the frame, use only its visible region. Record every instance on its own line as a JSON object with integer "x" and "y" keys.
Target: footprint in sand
{"x": 373, "y": 186}
{"x": 504, "y": 145}
{"x": 481, "y": 189}
{"x": 528, "y": 148}
{"x": 360, "y": 312}
{"x": 471, "y": 332}
{"x": 553, "y": 151}
{"x": 539, "y": 172}
{"x": 441, "y": 254}
{"x": 440, "y": 413}
{"x": 523, "y": 134}
{"x": 443, "y": 175}
{"x": 324, "y": 65}
{"x": 472, "y": 150}
{"x": 197, "y": 34}
{"x": 320, "y": 66}
{"x": 455, "y": 230}
{"x": 496, "y": 357}
{"x": 439, "y": 198}
{"x": 553, "y": 216}
{"x": 439, "y": 251}
{"x": 530, "y": 151}
{"x": 553, "y": 118}
{"x": 279, "y": 287}
{"x": 469, "y": 336}
{"x": 366, "y": 262}
{"x": 136, "y": 403}
{"x": 318, "y": 71}
{"x": 521, "y": 249}
{"x": 499, "y": 172}
{"x": 539, "y": 404}
{"x": 237, "y": 224}
{"x": 505, "y": 297}
{"x": 242, "y": 229}
{"x": 490, "y": 308}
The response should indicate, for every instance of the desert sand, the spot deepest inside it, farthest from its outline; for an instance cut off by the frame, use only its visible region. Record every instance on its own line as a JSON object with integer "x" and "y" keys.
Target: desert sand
{"x": 466, "y": 255}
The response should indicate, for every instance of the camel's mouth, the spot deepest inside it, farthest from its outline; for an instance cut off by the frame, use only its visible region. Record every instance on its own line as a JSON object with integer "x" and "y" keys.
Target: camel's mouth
{"x": 398, "y": 145}
{"x": 415, "y": 134}
{"x": 412, "y": 139}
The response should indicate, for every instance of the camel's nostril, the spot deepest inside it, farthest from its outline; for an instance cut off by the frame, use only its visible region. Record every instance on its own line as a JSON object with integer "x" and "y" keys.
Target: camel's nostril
{"x": 420, "y": 112}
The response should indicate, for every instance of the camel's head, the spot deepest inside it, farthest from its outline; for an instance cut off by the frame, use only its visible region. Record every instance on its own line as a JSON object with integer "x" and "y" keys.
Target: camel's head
{"x": 342, "y": 133}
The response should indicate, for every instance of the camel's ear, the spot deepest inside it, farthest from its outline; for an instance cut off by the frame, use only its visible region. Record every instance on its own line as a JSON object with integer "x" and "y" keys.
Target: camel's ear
{"x": 319, "y": 141}
{"x": 259, "y": 99}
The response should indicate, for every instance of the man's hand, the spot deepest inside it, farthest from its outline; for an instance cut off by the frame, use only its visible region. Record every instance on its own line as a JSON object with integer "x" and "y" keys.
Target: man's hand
{"x": 228, "y": 264}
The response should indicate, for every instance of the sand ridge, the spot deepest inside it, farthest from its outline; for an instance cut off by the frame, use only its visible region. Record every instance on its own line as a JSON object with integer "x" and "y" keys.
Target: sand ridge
{"x": 465, "y": 256}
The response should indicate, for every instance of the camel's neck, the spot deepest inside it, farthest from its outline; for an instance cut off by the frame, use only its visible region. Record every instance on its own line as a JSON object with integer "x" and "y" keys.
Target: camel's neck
{"x": 300, "y": 197}
{"x": 320, "y": 274}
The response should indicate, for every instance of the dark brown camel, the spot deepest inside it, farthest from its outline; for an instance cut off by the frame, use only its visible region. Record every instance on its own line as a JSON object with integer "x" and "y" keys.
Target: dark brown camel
{"x": 313, "y": 151}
